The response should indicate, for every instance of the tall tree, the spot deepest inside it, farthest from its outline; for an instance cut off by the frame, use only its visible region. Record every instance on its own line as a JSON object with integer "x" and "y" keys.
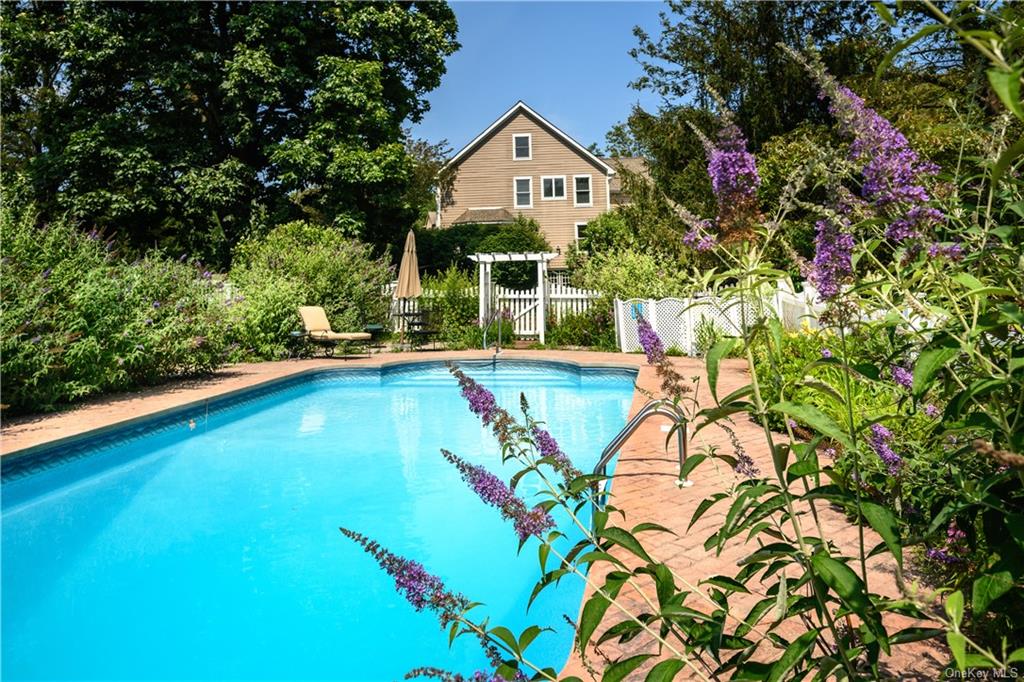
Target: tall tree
{"x": 732, "y": 48}
{"x": 185, "y": 125}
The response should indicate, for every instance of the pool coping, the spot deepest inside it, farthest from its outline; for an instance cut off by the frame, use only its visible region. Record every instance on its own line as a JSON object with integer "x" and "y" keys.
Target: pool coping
{"x": 260, "y": 384}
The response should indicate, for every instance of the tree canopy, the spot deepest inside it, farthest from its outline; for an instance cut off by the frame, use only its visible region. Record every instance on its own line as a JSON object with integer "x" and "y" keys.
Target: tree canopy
{"x": 188, "y": 125}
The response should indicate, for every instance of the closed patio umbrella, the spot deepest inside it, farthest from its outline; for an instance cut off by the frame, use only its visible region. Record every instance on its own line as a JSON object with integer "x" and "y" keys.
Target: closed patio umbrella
{"x": 409, "y": 271}
{"x": 408, "y": 276}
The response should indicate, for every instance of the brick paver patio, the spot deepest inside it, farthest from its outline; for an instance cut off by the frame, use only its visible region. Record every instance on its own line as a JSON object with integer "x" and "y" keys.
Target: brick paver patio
{"x": 644, "y": 485}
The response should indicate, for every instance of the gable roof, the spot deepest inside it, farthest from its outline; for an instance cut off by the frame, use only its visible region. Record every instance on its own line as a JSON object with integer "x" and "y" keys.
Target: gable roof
{"x": 520, "y": 107}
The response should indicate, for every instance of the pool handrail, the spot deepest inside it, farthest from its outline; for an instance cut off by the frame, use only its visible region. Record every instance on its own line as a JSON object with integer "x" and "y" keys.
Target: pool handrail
{"x": 487, "y": 326}
{"x": 660, "y": 407}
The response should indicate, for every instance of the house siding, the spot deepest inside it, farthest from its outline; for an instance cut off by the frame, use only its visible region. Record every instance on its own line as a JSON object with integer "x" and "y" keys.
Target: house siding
{"x": 484, "y": 179}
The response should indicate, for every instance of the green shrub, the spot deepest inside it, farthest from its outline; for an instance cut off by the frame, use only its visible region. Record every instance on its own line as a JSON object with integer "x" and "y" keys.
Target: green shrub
{"x": 630, "y": 274}
{"x": 75, "y": 322}
{"x": 607, "y": 232}
{"x": 473, "y": 335}
{"x": 523, "y": 236}
{"x": 593, "y": 328}
{"x": 303, "y": 264}
{"x": 263, "y": 315}
{"x": 438, "y": 250}
{"x": 452, "y": 304}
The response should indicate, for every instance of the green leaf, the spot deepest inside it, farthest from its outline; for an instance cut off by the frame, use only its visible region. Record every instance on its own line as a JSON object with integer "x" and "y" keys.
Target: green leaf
{"x": 792, "y": 656}
{"x": 620, "y": 669}
{"x": 884, "y": 522}
{"x": 928, "y": 364}
{"x": 988, "y": 588}
{"x": 781, "y": 598}
{"x": 1009, "y": 155}
{"x": 713, "y": 358}
{"x": 726, "y": 583}
{"x": 527, "y": 637}
{"x": 625, "y": 539}
{"x": 591, "y": 616}
{"x": 915, "y": 634}
{"x": 968, "y": 281}
{"x": 691, "y": 463}
{"x": 955, "y": 608}
{"x": 643, "y": 527}
{"x": 958, "y": 645}
{"x": 902, "y": 45}
{"x": 843, "y": 581}
{"x": 884, "y": 13}
{"x": 506, "y": 636}
{"x": 1007, "y": 86}
{"x": 816, "y": 419}
{"x": 665, "y": 671}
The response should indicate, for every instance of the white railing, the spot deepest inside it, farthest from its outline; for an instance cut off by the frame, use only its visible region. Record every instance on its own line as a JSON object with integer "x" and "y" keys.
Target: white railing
{"x": 519, "y": 305}
{"x": 678, "y": 321}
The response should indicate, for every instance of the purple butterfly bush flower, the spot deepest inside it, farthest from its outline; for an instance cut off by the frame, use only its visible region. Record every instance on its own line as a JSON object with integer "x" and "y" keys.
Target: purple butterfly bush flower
{"x": 931, "y": 411}
{"x": 420, "y": 588}
{"x": 826, "y": 353}
{"x": 650, "y": 341}
{"x": 493, "y": 491}
{"x": 506, "y": 429}
{"x": 732, "y": 169}
{"x": 893, "y": 173}
{"x": 833, "y": 258}
{"x": 954, "y": 547}
{"x": 902, "y": 376}
{"x": 481, "y": 401}
{"x": 953, "y": 252}
{"x": 698, "y": 241}
{"x": 879, "y": 441}
{"x": 547, "y": 446}
{"x": 478, "y": 676}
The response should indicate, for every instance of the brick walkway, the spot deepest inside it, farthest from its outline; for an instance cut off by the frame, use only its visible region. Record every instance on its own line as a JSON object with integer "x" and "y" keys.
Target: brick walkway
{"x": 644, "y": 483}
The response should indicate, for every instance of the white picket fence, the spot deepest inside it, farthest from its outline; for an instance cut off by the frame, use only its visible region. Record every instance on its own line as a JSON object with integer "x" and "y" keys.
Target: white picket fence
{"x": 516, "y": 304}
{"x": 677, "y": 321}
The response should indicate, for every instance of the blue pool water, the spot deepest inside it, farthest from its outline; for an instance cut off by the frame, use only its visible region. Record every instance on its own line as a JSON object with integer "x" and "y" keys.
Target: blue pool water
{"x": 214, "y": 552}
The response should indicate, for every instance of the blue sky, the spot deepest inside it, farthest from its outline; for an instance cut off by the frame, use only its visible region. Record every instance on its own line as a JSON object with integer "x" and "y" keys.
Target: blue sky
{"x": 568, "y": 60}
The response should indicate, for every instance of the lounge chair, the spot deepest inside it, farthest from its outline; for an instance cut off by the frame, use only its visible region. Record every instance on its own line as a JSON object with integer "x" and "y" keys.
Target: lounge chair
{"x": 318, "y": 330}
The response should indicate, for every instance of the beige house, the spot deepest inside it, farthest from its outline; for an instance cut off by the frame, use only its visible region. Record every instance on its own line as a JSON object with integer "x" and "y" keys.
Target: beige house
{"x": 523, "y": 164}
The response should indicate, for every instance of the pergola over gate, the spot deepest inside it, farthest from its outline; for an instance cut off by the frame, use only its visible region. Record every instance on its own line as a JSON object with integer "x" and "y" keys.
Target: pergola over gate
{"x": 539, "y": 306}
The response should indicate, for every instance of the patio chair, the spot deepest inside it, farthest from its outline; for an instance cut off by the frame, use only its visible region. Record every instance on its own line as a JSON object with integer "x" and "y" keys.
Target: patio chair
{"x": 318, "y": 330}
{"x": 421, "y": 328}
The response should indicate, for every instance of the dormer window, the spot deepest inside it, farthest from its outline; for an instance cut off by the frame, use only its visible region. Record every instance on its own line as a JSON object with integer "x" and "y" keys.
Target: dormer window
{"x": 521, "y": 147}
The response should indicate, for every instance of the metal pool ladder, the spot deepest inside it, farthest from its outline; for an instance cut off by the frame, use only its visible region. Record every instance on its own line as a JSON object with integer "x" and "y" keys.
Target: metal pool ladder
{"x": 662, "y": 407}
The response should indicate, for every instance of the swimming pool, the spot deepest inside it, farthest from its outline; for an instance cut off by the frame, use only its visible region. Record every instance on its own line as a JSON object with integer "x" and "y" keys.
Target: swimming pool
{"x": 213, "y": 552}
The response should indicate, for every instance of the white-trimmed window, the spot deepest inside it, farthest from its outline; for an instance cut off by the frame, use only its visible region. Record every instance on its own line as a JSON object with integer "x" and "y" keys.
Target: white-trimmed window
{"x": 552, "y": 187}
{"x": 581, "y": 232}
{"x": 581, "y": 191}
{"x": 522, "y": 192}
{"x": 522, "y": 147}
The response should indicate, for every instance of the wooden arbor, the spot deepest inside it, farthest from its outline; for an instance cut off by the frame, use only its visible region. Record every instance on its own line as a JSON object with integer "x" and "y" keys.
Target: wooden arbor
{"x": 538, "y": 307}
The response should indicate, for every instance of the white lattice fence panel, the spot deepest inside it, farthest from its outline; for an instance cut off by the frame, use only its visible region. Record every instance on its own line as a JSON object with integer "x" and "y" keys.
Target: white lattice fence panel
{"x": 672, "y": 324}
